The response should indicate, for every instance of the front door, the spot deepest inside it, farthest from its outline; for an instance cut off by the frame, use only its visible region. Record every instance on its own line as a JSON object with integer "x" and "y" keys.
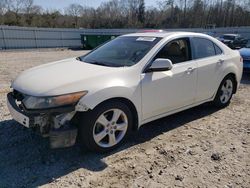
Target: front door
{"x": 165, "y": 91}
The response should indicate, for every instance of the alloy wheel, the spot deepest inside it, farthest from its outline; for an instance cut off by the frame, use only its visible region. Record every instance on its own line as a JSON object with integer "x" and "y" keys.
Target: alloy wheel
{"x": 110, "y": 128}
{"x": 226, "y": 91}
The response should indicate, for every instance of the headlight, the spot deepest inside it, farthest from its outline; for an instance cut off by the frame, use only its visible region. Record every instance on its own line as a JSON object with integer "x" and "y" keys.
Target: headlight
{"x": 54, "y": 101}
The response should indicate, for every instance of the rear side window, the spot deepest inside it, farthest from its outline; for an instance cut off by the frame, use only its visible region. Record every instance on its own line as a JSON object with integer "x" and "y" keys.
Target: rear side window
{"x": 203, "y": 48}
{"x": 217, "y": 50}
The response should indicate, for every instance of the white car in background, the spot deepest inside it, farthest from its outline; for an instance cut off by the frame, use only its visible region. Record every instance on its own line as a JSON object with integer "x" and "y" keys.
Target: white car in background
{"x": 123, "y": 84}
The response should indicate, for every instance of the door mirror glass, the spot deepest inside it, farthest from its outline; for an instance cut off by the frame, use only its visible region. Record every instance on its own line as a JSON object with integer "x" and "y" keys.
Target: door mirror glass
{"x": 160, "y": 65}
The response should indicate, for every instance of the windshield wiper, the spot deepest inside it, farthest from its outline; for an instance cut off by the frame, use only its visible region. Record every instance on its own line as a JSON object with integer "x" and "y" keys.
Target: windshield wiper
{"x": 102, "y": 63}
{"x": 93, "y": 62}
{"x": 78, "y": 59}
{"x": 98, "y": 63}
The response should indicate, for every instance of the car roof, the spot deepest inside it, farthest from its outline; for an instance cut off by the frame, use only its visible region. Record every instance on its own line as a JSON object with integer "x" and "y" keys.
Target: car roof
{"x": 234, "y": 35}
{"x": 163, "y": 34}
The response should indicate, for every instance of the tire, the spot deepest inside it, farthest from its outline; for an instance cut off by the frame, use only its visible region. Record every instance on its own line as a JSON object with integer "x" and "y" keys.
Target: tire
{"x": 106, "y": 127}
{"x": 225, "y": 92}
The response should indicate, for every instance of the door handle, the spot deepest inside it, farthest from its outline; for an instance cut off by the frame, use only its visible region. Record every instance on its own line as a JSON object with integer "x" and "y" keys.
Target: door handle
{"x": 220, "y": 62}
{"x": 190, "y": 70}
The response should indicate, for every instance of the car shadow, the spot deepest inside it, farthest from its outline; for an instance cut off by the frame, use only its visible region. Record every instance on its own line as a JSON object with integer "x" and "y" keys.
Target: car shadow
{"x": 76, "y": 48}
{"x": 27, "y": 160}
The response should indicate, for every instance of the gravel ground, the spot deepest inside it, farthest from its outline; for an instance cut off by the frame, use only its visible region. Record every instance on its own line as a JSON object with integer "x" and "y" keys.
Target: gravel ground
{"x": 200, "y": 147}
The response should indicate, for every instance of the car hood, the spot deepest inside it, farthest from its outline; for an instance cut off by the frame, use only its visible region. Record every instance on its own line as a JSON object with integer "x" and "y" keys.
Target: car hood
{"x": 62, "y": 77}
{"x": 245, "y": 52}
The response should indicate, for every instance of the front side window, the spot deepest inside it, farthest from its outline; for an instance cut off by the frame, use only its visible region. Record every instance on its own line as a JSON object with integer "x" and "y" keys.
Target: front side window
{"x": 122, "y": 51}
{"x": 177, "y": 51}
{"x": 203, "y": 48}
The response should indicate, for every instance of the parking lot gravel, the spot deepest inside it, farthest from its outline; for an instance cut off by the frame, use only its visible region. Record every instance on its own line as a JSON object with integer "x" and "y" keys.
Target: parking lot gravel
{"x": 200, "y": 147}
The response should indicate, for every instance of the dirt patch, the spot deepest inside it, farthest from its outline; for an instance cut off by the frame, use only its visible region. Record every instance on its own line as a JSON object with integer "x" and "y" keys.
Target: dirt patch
{"x": 200, "y": 147}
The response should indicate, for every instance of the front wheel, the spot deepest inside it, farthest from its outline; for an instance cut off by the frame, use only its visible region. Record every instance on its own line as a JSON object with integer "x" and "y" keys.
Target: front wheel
{"x": 105, "y": 127}
{"x": 225, "y": 92}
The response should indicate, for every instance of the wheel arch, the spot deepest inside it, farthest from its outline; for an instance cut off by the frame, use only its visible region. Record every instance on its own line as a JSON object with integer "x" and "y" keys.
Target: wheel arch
{"x": 124, "y": 100}
{"x": 234, "y": 70}
{"x": 233, "y": 75}
{"x": 131, "y": 106}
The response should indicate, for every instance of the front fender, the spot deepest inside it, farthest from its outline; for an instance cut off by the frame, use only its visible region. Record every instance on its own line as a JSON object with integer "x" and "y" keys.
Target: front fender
{"x": 92, "y": 99}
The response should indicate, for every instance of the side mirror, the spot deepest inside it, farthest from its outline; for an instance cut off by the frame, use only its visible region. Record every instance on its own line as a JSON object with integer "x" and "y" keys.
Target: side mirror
{"x": 160, "y": 65}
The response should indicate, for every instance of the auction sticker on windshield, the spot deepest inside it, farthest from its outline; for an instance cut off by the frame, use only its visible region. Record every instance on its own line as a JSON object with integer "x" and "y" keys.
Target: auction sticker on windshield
{"x": 148, "y": 39}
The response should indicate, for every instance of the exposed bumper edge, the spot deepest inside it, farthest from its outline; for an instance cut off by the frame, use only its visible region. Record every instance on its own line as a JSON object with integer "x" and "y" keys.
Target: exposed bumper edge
{"x": 18, "y": 113}
{"x": 63, "y": 136}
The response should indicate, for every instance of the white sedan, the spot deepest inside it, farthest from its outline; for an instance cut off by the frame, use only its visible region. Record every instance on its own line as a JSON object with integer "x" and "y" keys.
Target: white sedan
{"x": 123, "y": 84}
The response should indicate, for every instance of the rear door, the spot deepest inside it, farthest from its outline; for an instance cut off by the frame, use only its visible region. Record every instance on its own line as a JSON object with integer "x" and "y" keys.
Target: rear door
{"x": 210, "y": 60}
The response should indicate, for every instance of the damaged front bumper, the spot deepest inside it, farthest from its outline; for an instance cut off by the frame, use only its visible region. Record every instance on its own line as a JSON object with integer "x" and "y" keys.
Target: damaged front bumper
{"x": 53, "y": 123}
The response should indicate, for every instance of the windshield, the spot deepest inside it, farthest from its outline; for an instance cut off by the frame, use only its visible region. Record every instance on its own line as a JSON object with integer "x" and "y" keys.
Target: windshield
{"x": 122, "y": 51}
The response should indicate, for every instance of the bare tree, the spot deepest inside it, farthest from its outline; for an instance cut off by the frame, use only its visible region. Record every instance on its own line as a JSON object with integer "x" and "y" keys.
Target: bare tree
{"x": 2, "y": 7}
{"x": 2, "y": 11}
{"x": 135, "y": 12}
{"x": 141, "y": 11}
{"x": 130, "y": 14}
{"x": 17, "y": 7}
{"x": 28, "y": 5}
{"x": 74, "y": 10}
{"x": 34, "y": 12}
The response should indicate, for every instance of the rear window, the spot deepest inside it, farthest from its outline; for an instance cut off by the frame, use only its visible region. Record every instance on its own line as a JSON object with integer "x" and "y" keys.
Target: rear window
{"x": 228, "y": 37}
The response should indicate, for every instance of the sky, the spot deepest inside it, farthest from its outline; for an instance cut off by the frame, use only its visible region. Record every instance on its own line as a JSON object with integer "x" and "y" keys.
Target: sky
{"x": 61, "y": 4}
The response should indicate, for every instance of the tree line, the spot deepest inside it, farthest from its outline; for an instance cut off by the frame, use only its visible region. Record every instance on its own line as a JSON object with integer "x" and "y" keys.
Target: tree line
{"x": 129, "y": 14}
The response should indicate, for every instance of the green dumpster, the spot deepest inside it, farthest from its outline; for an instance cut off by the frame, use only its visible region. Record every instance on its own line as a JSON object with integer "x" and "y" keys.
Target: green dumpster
{"x": 92, "y": 41}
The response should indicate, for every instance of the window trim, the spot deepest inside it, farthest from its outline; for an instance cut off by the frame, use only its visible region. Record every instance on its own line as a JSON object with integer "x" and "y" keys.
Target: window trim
{"x": 193, "y": 49}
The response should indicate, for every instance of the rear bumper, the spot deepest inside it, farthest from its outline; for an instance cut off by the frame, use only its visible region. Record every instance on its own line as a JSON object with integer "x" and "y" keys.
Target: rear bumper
{"x": 47, "y": 122}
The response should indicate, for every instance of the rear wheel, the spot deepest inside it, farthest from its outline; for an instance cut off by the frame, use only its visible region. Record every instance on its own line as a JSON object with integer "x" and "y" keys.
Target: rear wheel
{"x": 105, "y": 127}
{"x": 225, "y": 92}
